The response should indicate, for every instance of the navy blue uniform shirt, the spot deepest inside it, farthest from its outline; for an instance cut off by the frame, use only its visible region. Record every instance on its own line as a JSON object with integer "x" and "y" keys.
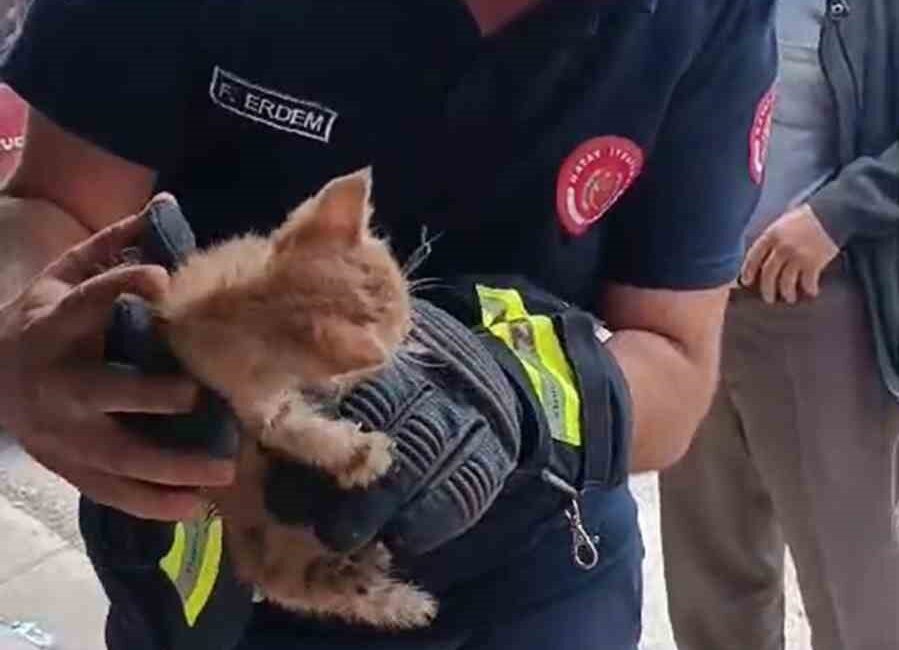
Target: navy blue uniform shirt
{"x": 588, "y": 141}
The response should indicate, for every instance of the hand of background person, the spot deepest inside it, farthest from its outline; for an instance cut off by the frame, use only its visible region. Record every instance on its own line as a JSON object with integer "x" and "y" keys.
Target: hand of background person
{"x": 57, "y": 395}
{"x": 789, "y": 255}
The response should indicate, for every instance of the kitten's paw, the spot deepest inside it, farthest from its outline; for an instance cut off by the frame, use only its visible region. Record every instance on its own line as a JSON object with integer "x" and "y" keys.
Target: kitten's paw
{"x": 409, "y": 607}
{"x": 374, "y": 555}
{"x": 370, "y": 460}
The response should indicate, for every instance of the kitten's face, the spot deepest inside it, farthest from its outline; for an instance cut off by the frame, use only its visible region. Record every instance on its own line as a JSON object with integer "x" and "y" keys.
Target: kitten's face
{"x": 320, "y": 299}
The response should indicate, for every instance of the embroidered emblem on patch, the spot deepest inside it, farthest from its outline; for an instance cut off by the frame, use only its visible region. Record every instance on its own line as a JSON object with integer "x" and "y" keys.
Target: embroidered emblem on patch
{"x": 593, "y": 178}
{"x": 270, "y": 107}
{"x": 13, "y": 116}
{"x": 760, "y": 136}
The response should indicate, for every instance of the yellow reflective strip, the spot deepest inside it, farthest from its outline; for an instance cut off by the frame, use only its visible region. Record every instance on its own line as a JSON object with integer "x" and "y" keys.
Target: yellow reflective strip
{"x": 550, "y": 383}
{"x": 550, "y": 351}
{"x": 534, "y": 342}
{"x": 193, "y": 562}
{"x": 209, "y": 572}
{"x": 171, "y": 563}
{"x": 503, "y": 331}
{"x": 500, "y": 305}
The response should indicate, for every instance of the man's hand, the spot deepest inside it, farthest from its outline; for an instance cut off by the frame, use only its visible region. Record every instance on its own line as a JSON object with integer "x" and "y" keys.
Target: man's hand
{"x": 791, "y": 253}
{"x": 57, "y": 395}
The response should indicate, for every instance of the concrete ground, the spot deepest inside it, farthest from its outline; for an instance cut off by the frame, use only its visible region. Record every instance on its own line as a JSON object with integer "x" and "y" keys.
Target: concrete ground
{"x": 657, "y": 630}
{"x": 48, "y": 587}
{"x": 46, "y": 582}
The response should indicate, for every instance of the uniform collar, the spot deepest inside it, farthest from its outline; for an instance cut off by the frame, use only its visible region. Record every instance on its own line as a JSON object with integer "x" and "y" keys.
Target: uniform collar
{"x": 572, "y": 20}
{"x": 564, "y": 19}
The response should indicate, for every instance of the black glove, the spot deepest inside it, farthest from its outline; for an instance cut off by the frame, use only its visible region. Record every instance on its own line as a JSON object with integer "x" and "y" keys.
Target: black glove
{"x": 148, "y": 604}
{"x": 131, "y": 341}
{"x": 496, "y": 388}
{"x": 454, "y": 418}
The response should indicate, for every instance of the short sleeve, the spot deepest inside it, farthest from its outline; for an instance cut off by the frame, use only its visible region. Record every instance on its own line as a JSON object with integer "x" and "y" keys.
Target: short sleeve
{"x": 111, "y": 71}
{"x": 681, "y": 226}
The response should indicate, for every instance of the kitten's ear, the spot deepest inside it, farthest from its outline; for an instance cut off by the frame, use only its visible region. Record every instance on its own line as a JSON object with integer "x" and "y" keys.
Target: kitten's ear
{"x": 339, "y": 212}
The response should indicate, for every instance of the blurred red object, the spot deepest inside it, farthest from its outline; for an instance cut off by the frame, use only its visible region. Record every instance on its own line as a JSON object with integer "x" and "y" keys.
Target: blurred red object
{"x": 13, "y": 117}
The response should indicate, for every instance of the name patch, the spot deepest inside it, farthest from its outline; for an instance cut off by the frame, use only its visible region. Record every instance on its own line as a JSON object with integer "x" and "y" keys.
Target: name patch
{"x": 270, "y": 107}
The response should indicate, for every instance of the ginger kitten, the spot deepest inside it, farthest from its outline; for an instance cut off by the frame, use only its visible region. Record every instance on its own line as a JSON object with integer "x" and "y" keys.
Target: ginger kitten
{"x": 266, "y": 322}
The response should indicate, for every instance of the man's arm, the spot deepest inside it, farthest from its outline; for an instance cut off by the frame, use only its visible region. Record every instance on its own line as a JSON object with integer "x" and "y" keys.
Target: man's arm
{"x": 103, "y": 117}
{"x": 675, "y": 241}
{"x": 56, "y": 393}
{"x": 64, "y": 190}
{"x": 667, "y": 344}
{"x": 863, "y": 200}
{"x": 32, "y": 234}
{"x": 58, "y": 396}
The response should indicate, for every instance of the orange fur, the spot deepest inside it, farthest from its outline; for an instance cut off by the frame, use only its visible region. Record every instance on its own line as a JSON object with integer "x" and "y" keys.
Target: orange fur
{"x": 318, "y": 303}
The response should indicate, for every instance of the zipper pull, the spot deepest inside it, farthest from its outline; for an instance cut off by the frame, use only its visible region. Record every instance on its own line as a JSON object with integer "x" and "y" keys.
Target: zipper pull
{"x": 583, "y": 546}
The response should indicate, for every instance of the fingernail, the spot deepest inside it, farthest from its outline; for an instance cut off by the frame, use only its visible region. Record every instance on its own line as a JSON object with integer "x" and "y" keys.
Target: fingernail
{"x": 155, "y": 281}
{"x": 160, "y": 274}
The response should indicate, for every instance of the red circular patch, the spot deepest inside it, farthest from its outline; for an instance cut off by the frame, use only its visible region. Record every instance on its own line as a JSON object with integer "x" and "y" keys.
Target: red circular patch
{"x": 13, "y": 116}
{"x": 760, "y": 135}
{"x": 593, "y": 178}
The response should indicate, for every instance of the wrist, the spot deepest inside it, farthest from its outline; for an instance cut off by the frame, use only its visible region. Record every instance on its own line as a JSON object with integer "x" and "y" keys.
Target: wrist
{"x": 33, "y": 233}
{"x": 835, "y": 224}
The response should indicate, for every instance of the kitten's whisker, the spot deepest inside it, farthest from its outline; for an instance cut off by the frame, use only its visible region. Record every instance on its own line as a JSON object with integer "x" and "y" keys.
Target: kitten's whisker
{"x": 420, "y": 254}
{"x": 424, "y": 284}
{"x": 420, "y": 282}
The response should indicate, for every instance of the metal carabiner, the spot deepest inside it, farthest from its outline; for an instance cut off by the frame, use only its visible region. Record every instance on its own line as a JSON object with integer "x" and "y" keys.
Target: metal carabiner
{"x": 584, "y": 551}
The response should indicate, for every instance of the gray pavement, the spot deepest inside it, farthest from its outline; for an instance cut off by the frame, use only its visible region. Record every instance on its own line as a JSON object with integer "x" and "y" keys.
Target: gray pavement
{"x": 49, "y": 596}
{"x": 47, "y": 585}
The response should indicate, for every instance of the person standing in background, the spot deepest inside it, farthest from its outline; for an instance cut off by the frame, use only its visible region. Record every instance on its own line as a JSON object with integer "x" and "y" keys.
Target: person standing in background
{"x": 799, "y": 447}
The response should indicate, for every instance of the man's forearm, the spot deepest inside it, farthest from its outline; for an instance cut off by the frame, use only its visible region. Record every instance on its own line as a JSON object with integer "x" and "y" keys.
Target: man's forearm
{"x": 671, "y": 389}
{"x": 863, "y": 200}
{"x": 33, "y": 233}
